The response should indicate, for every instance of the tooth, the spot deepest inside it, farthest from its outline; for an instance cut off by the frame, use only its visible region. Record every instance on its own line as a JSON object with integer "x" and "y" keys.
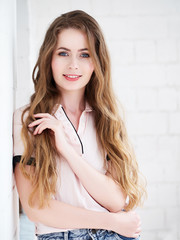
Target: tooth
{"x": 72, "y": 76}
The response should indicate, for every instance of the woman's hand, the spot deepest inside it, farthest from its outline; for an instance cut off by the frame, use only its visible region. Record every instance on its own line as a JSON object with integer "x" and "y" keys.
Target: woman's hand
{"x": 127, "y": 224}
{"x": 47, "y": 121}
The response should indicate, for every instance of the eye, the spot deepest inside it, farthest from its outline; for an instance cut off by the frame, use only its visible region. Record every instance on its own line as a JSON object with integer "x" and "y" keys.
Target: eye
{"x": 85, "y": 55}
{"x": 64, "y": 54}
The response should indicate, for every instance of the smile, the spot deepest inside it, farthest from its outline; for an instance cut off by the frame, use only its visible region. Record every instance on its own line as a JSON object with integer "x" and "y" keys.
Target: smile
{"x": 72, "y": 77}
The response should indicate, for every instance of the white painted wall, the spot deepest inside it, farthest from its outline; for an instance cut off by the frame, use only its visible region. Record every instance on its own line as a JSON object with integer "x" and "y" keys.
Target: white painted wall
{"x": 144, "y": 41}
{"x": 24, "y": 87}
{"x": 8, "y": 199}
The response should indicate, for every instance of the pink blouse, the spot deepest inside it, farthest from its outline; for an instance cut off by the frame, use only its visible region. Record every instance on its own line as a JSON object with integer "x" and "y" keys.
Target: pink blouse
{"x": 85, "y": 142}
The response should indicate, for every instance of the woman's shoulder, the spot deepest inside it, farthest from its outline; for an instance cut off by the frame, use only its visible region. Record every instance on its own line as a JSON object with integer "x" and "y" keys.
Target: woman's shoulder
{"x": 21, "y": 109}
{"x": 18, "y": 113}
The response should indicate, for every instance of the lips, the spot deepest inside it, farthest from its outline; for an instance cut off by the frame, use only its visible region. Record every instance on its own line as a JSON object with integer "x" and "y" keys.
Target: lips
{"x": 72, "y": 77}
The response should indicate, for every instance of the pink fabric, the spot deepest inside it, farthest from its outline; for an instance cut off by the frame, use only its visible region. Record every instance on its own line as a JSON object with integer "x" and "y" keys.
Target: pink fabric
{"x": 69, "y": 188}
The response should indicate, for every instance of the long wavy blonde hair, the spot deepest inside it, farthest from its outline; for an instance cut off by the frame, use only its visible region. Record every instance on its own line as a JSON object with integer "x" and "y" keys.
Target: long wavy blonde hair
{"x": 99, "y": 94}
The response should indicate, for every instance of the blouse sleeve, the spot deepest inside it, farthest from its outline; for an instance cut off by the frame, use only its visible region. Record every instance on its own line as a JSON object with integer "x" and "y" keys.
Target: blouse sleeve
{"x": 18, "y": 145}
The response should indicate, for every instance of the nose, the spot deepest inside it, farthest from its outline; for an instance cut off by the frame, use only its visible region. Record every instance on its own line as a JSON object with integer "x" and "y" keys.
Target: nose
{"x": 73, "y": 63}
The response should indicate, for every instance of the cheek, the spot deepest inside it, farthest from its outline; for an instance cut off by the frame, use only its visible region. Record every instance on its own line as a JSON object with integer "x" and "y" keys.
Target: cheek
{"x": 91, "y": 68}
{"x": 54, "y": 66}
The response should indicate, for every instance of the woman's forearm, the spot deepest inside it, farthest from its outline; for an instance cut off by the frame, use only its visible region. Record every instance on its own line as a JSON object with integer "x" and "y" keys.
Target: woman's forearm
{"x": 65, "y": 216}
{"x": 58, "y": 214}
{"x": 101, "y": 187}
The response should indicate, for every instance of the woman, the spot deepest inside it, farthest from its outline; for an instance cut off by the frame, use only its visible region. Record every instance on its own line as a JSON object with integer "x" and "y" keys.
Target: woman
{"x": 74, "y": 167}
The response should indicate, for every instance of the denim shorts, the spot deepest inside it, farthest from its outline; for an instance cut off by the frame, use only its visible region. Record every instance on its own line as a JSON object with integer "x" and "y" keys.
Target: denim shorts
{"x": 84, "y": 234}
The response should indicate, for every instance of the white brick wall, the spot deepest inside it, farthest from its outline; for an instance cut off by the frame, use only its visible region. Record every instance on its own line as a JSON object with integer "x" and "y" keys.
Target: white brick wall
{"x": 145, "y": 51}
{"x": 143, "y": 37}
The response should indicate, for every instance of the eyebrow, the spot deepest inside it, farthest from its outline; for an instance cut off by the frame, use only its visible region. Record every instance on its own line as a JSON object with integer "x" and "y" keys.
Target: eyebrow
{"x": 66, "y": 49}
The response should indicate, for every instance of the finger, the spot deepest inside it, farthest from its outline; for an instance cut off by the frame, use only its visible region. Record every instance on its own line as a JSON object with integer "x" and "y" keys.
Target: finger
{"x": 43, "y": 115}
{"x": 138, "y": 230}
{"x": 38, "y": 128}
{"x": 136, "y": 235}
{"x": 43, "y": 126}
{"x": 36, "y": 122}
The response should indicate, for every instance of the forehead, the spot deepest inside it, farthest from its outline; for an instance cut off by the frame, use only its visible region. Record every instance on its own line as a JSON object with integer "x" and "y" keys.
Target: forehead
{"x": 72, "y": 39}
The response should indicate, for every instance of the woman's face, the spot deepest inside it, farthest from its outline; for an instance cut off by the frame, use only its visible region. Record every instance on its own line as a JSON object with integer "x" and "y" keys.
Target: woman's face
{"x": 71, "y": 64}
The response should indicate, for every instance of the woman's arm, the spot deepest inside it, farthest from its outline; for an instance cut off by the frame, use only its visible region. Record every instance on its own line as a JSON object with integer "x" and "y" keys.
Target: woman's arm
{"x": 101, "y": 187}
{"x": 61, "y": 215}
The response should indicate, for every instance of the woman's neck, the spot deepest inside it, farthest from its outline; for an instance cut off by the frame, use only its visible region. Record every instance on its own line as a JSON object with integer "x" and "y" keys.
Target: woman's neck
{"x": 73, "y": 102}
